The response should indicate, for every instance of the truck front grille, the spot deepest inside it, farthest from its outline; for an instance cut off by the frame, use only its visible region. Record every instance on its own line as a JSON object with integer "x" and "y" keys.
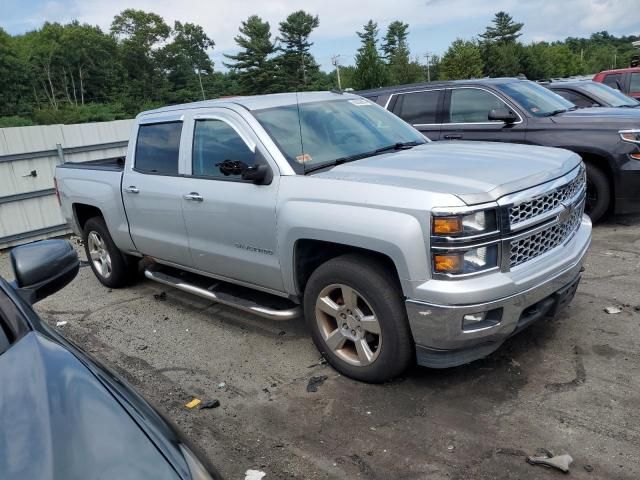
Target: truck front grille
{"x": 546, "y": 202}
{"x": 536, "y": 244}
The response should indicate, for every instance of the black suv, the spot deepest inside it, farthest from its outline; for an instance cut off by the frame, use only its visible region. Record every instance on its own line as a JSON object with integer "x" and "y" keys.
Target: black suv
{"x": 520, "y": 111}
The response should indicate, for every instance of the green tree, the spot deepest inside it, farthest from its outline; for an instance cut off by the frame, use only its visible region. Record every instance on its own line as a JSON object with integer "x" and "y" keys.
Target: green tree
{"x": 500, "y": 50}
{"x": 462, "y": 60}
{"x": 253, "y": 63}
{"x": 296, "y": 67}
{"x": 400, "y": 68}
{"x": 140, "y": 33}
{"x": 186, "y": 58}
{"x": 370, "y": 70}
{"x": 14, "y": 87}
{"x": 503, "y": 30}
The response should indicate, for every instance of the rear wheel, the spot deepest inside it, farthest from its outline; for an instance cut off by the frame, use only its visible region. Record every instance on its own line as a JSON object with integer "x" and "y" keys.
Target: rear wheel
{"x": 598, "y": 193}
{"x": 110, "y": 265}
{"x": 357, "y": 318}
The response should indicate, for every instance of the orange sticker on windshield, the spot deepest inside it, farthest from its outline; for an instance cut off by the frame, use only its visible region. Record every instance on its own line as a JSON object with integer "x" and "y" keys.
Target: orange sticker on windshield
{"x": 304, "y": 158}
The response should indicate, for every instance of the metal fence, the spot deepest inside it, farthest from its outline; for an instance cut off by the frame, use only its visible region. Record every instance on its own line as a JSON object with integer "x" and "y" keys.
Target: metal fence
{"x": 29, "y": 209}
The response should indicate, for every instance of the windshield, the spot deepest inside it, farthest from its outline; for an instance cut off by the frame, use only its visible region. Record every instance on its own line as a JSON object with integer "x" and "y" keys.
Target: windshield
{"x": 333, "y": 130}
{"x": 537, "y": 100}
{"x": 609, "y": 95}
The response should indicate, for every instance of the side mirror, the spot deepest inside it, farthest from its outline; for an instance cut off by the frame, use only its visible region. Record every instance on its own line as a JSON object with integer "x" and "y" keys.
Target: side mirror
{"x": 42, "y": 268}
{"x": 503, "y": 115}
{"x": 258, "y": 173}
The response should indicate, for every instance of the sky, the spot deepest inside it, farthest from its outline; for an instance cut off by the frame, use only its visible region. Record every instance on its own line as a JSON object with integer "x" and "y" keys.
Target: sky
{"x": 433, "y": 24}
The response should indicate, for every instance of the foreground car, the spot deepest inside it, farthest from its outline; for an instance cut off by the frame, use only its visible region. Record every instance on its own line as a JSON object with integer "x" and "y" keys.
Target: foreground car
{"x": 63, "y": 415}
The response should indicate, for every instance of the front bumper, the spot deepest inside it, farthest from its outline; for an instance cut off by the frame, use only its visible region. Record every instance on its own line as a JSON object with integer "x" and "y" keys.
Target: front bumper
{"x": 437, "y": 328}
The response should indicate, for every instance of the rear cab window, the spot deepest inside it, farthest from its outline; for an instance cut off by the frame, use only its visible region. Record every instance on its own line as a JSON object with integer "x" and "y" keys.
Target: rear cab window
{"x": 634, "y": 84}
{"x": 158, "y": 148}
{"x": 614, "y": 80}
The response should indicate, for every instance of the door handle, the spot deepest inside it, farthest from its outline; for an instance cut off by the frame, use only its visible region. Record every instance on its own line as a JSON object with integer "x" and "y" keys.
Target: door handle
{"x": 194, "y": 197}
{"x": 131, "y": 189}
{"x": 453, "y": 136}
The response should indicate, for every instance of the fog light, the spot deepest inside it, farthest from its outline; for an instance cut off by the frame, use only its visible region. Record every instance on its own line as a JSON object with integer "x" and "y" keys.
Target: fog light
{"x": 481, "y": 320}
{"x": 471, "y": 318}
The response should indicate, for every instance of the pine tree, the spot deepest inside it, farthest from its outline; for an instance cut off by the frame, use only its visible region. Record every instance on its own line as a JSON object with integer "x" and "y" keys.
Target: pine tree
{"x": 396, "y": 52}
{"x": 253, "y": 64}
{"x": 296, "y": 67}
{"x": 370, "y": 69}
{"x": 504, "y": 29}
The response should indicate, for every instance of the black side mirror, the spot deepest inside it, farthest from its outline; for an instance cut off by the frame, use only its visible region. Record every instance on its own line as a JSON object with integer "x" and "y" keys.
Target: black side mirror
{"x": 503, "y": 115}
{"x": 258, "y": 173}
{"x": 42, "y": 268}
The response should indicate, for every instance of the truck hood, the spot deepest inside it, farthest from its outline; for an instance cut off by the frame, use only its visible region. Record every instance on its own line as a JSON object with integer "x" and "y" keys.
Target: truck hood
{"x": 476, "y": 172}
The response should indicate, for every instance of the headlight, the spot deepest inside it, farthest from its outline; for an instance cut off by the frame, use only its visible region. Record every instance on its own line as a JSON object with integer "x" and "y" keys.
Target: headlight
{"x": 472, "y": 260}
{"x": 475, "y": 223}
{"x": 631, "y": 136}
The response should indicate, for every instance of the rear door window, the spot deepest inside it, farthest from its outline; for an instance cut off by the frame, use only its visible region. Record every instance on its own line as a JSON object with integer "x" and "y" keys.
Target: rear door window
{"x": 614, "y": 80}
{"x": 472, "y": 105}
{"x": 158, "y": 148}
{"x": 418, "y": 108}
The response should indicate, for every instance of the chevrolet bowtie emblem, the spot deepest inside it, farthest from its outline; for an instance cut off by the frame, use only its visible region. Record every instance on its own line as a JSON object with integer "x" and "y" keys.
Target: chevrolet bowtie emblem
{"x": 565, "y": 213}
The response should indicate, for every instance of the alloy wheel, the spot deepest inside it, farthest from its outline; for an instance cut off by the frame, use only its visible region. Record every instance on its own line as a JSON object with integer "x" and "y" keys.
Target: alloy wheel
{"x": 99, "y": 255}
{"x": 348, "y": 325}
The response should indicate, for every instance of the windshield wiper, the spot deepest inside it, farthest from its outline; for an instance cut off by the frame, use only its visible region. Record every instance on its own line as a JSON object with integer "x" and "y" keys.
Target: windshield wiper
{"x": 397, "y": 146}
{"x": 359, "y": 156}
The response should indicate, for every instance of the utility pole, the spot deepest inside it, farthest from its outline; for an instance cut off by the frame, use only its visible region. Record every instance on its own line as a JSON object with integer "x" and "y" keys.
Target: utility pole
{"x": 335, "y": 60}
{"x": 428, "y": 57}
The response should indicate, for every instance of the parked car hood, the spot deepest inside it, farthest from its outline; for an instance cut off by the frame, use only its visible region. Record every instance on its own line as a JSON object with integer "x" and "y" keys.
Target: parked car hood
{"x": 476, "y": 172}
{"x": 58, "y": 421}
{"x": 600, "y": 114}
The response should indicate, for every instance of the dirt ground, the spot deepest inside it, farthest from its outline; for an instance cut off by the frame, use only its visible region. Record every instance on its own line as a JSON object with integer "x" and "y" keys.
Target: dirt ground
{"x": 569, "y": 385}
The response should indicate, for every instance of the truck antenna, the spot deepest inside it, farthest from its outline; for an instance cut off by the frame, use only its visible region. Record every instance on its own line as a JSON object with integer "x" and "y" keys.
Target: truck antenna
{"x": 302, "y": 153}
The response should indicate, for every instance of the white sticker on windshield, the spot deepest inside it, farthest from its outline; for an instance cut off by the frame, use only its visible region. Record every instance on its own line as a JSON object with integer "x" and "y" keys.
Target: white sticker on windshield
{"x": 360, "y": 102}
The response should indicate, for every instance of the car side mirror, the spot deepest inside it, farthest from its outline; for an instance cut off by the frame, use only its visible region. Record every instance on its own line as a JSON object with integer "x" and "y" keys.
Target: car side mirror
{"x": 503, "y": 115}
{"x": 42, "y": 268}
{"x": 260, "y": 172}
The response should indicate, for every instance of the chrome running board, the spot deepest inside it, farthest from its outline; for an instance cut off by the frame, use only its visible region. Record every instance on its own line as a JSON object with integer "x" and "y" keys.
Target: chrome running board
{"x": 224, "y": 298}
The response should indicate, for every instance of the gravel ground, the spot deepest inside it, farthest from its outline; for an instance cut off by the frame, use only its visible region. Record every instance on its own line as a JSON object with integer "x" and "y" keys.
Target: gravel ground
{"x": 569, "y": 385}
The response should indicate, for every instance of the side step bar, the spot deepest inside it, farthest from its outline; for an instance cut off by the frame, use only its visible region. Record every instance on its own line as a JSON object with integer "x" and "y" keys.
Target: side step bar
{"x": 224, "y": 298}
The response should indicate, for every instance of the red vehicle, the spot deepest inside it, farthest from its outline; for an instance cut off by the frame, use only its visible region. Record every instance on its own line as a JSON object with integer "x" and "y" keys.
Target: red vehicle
{"x": 627, "y": 80}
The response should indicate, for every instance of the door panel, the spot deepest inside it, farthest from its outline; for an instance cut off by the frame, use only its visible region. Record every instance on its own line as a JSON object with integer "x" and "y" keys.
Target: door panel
{"x": 466, "y": 117}
{"x": 232, "y": 230}
{"x": 153, "y": 204}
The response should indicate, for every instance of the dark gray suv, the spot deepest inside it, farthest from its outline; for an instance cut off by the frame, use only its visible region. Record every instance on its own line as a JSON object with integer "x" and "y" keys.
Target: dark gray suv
{"x": 520, "y": 111}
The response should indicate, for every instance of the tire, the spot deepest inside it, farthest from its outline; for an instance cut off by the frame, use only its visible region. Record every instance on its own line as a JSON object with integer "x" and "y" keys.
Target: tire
{"x": 598, "y": 193}
{"x": 378, "y": 297}
{"x": 112, "y": 268}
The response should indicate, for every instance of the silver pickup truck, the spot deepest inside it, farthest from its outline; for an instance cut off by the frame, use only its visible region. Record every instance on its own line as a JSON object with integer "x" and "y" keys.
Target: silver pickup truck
{"x": 393, "y": 248}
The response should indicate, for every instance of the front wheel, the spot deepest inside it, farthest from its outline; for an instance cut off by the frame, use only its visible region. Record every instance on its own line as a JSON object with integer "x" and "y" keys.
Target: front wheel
{"x": 109, "y": 265}
{"x": 598, "y": 193}
{"x": 357, "y": 318}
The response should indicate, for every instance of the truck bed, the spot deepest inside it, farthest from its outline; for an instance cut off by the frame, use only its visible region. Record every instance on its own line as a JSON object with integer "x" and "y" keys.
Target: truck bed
{"x": 113, "y": 164}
